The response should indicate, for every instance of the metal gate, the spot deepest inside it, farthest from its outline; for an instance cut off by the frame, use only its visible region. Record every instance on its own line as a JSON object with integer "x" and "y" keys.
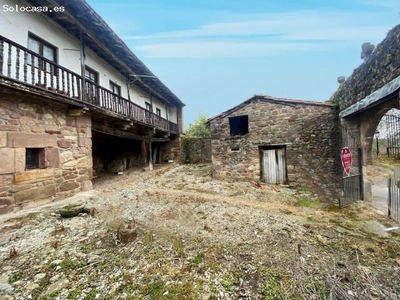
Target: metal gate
{"x": 274, "y": 165}
{"x": 394, "y": 196}
{"x": 392, "y": 132}
{"x": 353, "y": 183}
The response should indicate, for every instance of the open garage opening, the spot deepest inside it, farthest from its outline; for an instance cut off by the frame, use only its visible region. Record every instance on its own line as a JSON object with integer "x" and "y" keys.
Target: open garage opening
{"x": 115, "y": 155}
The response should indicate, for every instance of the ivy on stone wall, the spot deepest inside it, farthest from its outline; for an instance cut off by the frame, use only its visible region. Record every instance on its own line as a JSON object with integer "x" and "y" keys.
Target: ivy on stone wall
{"x": 196, "y": 150}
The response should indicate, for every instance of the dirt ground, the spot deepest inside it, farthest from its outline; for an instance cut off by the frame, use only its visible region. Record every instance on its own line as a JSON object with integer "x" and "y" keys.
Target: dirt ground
{"x": 198, "y": 238}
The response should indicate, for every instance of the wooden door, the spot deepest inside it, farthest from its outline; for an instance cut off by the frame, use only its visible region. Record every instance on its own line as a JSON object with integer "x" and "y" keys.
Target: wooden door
{"x": 274, "y": 165}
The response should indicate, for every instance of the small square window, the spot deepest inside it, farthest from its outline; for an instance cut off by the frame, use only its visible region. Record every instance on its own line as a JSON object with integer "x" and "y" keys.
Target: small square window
{"x": 35, "y": 158}
{"x": 158, "y": 112}
{"x": 239, "y": 125}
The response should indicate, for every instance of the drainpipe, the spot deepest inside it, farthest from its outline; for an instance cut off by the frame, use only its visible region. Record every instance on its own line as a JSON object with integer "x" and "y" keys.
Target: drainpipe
{"x": 83, "y": 66}
{"x": 128, "y": 86}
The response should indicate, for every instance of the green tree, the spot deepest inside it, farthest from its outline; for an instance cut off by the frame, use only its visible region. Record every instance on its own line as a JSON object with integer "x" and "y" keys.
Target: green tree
{"x": 199, "y": 127}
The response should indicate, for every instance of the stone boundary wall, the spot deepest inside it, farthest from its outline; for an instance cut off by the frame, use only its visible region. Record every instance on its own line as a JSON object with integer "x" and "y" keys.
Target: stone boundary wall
{"x": 380, "y": 68}
{"x": 172, "y": 150}
{"x": 196, "y": 150}
{"x": 65, "y": 142}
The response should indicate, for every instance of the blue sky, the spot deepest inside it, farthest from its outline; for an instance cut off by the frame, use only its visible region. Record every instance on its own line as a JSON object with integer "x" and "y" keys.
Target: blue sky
{"x": 214, "y": 54}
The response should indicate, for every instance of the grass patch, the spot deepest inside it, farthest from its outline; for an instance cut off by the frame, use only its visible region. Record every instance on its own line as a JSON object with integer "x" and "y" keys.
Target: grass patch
{"x": 70, "y": 264}
{"x": 74, "y": 294}
{"x": 271, "y": 290}
{"x": 306, "y": 202}
{"x": 227, "y": 282}
{"x": 91, "y": 295}
{"x": 14, "y": 278}
{"x": 389, "y": 162}
{"x": 198, "y": 259}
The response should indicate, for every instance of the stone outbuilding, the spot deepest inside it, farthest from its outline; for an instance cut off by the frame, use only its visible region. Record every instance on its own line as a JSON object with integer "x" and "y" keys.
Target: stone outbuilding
{"x": 279, "y": 141}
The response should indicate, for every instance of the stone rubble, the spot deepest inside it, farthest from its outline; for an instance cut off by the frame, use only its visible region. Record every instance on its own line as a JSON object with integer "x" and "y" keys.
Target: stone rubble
{"x": 254, "y": 235}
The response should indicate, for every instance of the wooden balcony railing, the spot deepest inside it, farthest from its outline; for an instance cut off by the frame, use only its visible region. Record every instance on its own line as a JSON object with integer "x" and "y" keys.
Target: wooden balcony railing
{"x": 25, "y": 66}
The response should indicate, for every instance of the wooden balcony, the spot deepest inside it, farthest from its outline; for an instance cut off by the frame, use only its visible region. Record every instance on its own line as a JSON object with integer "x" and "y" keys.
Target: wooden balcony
{"x": 21, "y": 65}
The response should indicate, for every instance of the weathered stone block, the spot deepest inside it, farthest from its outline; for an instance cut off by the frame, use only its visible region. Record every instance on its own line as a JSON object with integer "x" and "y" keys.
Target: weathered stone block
{"x": 52, "y": 156}
{"x": 33, "y": 175}
{"x": 5, "y": 209}
{"x": 51, "y": 129}
{"x": 68, "y": 186}
{"x": 85, "y": 142}
{"x": 3, "y": 139}
{"x": 31, "y": 140}
{"x": 88, "y": 132}
{"x": 63, "y": 143}
{"x": 19, "y": 187}
{"x": 6, "y": 201}
{"x": 86, "y": 185}
{"x": 66, "y": 156}
{"x": 6, "y": 127}
{"x": 4, "y": 189}
{"x": 82, "y": 178}
{"x": 20, "y": 159}
{"x": 6, "y": 180}
{"x": 7, "y": 157}
{"x": 84, "y": 163}
{"x": 33, "y": 194}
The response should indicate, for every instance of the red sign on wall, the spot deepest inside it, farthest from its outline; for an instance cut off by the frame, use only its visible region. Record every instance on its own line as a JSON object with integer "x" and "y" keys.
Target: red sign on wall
{"x": 347, "y": 160}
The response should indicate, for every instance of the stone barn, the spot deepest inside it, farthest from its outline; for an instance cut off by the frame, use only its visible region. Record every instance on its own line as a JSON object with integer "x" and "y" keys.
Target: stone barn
{"x": 279, "y": 141}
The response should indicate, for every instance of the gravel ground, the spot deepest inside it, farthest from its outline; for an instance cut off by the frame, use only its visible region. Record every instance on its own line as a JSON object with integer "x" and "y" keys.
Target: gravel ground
{"x": 195, "y": 237}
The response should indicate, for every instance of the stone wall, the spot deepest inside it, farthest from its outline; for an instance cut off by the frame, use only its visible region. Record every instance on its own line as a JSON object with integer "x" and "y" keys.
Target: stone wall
{"x": 196, "y": 150}
{"x": 380, "y": 68}
{"x": 308, "y": 131}
{"x": 171, "y": 151}
{"x": 63, "y": 144}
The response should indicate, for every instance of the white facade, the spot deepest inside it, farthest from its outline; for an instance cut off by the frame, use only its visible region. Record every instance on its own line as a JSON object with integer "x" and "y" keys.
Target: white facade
{"x": 16, "y": 26}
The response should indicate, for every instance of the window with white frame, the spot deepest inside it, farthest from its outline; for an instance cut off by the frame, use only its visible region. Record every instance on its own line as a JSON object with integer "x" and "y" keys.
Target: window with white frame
{"x": 44, "y": 49}
{"x": 149, "y": 107}
{"x": 115, "y": 88}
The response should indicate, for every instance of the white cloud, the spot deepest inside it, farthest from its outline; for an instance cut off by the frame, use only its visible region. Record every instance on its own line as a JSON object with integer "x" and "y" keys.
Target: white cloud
{"x": 207, "y": 49}
{"x": 265, "y": 34}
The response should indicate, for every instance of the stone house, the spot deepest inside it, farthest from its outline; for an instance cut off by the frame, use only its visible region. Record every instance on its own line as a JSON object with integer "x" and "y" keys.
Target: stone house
{"x": 74, "y": 100}
{"x": 279, "y": 141}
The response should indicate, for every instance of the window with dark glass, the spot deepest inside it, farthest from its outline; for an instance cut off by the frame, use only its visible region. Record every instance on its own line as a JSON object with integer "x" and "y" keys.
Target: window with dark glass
{"x": 149, "y": 107}
{"x": 91, "y": 75}
{"x": 239, "y": 125}
{"x": 35, "y": 158}
{"x": 158, "y": 112}
{"x": 32, "y": 158}
{"x": 115, "y": 88}
{"x": 92, "y": 78}
{"x": 44, "y": 49}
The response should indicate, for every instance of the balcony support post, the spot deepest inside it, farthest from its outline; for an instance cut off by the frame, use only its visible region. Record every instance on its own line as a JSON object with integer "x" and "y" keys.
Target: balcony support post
{"x": 83, "y": 67}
